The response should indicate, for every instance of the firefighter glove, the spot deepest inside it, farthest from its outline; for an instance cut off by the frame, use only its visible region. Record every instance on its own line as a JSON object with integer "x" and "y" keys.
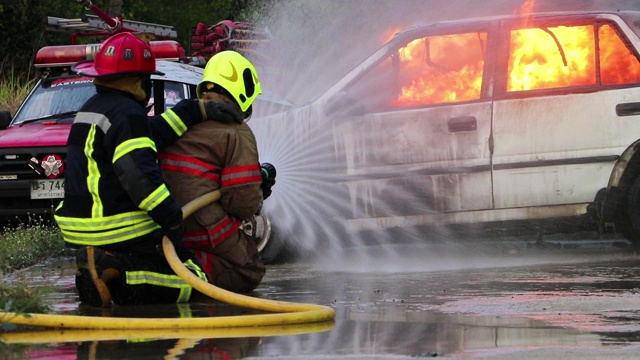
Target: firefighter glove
{"x": 174, "y": 234}
{"x": 220, "y": 111}
{"x": 268, "y": 179}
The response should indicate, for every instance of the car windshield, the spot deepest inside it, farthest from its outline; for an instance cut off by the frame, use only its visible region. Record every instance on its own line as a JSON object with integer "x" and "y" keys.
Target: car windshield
{"x": 60, "y": 96}
{"x": 67, "y": 95}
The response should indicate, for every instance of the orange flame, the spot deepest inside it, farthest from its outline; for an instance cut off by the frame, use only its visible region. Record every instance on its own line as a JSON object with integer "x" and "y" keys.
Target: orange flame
{"x": 388, "y": 34}
{"x": 443, "y": 69}
{"x": 536, "y": 61}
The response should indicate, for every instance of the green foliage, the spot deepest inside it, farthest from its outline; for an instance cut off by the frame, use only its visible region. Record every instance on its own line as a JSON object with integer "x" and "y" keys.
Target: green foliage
{"x": 22, "y": 246}
{"x": 23, "y": 31}
{"x": 21, "y": 298}
{"x": 27, "y": 244}
{"x": 14, "y": 89}
{"x": 23, "y": 22}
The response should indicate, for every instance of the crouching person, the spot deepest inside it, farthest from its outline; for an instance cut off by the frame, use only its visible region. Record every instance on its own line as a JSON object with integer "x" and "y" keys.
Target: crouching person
{"x": 116, "y": 207}
{"x": 222, "y": 155}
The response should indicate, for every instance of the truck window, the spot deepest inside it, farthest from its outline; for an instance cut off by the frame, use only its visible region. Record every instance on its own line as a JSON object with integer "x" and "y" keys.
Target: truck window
{"x": 565, "y": 56}
{"x": 173, "y": 93}
{"x": 56, "y": 97}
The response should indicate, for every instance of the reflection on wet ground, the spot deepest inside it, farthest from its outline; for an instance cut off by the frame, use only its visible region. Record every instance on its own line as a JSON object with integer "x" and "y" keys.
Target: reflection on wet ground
{"x": 530, "y": 303}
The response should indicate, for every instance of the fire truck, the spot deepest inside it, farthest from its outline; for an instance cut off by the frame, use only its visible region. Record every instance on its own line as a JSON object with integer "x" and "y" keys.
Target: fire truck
{"x": 33, "y": 140}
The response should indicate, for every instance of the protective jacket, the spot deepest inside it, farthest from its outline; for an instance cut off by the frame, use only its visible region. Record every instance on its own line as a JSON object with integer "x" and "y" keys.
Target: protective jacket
{"x": 215, "y": 155}
{"x": 114, "y": 190}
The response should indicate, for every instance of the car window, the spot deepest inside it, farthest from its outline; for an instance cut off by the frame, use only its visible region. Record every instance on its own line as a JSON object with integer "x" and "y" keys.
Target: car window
{"x": 565, "y": 56}
{"x": 425, "y": 71}
{"x": 618, "y": 63}
{"x": 173, "y": 93}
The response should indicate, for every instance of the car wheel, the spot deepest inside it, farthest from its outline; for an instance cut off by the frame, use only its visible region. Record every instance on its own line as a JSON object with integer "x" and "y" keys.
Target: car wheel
{"x": 632, "y": 232}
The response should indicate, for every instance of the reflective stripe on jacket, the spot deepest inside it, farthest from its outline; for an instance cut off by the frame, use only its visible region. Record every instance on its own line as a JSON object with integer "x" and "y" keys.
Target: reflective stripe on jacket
{"x": 166, "y": 280}
{"x": 211, "y": 156}
{"x": 114, "y": 190}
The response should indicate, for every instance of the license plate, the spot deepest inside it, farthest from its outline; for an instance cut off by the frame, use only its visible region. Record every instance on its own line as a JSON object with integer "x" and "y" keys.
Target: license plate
{"x": 47, "y": 189}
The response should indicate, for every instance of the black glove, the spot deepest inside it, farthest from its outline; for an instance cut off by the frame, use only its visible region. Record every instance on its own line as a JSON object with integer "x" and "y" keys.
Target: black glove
{"x": 220, "y": 111}
{"x": 268, "y": 179}
{"x": 266, "y": 187}
{"x": 174, "y": 234}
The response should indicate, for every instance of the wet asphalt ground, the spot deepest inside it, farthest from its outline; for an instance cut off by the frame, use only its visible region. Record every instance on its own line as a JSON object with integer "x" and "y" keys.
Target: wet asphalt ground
{"x": 569, "y": 300}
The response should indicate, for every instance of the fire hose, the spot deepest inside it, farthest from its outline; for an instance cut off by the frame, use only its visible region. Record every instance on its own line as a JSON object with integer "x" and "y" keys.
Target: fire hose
{"x": 281, "y": 312}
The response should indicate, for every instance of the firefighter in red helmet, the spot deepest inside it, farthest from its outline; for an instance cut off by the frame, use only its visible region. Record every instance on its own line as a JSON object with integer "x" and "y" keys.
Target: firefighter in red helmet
{"x": 116, "y": 206}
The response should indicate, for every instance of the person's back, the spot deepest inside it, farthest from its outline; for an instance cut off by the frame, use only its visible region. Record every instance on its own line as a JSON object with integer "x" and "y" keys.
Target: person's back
{"x": 117, "y": 206}
{"x": 221, "y": 155}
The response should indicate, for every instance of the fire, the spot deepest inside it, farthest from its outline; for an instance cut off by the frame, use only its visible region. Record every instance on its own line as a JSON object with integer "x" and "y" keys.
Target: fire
{"x": 388, "y": 34}
{"x": 444, "y": 69}
{"x": 570, "y": 62}
{"x": 618, "y": 64}
{"x": 536, "y": 61}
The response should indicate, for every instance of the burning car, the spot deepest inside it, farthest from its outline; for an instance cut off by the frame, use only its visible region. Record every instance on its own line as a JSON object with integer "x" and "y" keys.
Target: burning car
{"x": 475, "y": 124}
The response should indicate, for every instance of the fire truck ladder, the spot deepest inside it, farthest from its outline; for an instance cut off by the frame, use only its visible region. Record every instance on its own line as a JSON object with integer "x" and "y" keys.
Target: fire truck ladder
{"x": 91, "y": 25}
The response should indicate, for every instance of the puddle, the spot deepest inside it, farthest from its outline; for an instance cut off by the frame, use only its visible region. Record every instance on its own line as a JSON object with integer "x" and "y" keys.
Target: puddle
{"x": 581, "y": 308}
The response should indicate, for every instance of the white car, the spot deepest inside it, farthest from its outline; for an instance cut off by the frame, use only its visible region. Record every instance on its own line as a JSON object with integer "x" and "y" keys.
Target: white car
{"x": 473, "y": 124}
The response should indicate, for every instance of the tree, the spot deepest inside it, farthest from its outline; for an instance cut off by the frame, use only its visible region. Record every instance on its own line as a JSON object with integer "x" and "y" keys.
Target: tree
{"x": 23, "y": 22}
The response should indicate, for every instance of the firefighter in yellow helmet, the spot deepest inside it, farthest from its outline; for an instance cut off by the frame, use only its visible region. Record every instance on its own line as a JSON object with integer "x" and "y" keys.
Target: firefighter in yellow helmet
{"x": 116, "y": 206}
{"x": 222, "y": 155}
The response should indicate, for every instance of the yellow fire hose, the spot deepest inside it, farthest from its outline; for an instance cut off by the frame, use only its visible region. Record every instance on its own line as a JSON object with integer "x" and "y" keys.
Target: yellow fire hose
{"x": 282, "y": 313}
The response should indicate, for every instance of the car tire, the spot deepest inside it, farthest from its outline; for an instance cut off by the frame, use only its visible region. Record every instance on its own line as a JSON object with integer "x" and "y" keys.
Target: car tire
{"x": 632, "y": 232}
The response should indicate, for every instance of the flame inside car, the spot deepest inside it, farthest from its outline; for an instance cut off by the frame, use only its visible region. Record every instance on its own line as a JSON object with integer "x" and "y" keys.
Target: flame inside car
{"x": 449, "y": 68}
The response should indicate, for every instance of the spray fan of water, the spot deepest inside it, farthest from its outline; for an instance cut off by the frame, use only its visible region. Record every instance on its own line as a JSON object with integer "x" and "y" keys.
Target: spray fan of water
{"x": 315, "y": 44}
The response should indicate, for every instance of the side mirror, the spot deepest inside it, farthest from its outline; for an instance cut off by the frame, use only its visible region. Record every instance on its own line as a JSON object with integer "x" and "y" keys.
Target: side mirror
{"x": 342, "y": 104}
{"x": 5, "y": 119}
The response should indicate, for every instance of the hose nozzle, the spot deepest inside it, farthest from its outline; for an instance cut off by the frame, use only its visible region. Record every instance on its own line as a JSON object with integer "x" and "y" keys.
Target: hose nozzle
{"x": 268, "y": 171}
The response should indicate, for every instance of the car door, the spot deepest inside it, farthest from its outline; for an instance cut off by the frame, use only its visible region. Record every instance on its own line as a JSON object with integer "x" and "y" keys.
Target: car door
{"x": 557, "y": 134}
{"x": 412, "y": 131}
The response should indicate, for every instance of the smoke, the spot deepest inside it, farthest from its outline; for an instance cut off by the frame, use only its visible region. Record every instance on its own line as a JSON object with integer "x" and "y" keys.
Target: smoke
{"x": 315, "y": 43}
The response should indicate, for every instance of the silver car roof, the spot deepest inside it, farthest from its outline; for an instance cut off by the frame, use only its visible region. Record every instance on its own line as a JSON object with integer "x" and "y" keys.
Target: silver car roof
{"x": 178, "y": 72}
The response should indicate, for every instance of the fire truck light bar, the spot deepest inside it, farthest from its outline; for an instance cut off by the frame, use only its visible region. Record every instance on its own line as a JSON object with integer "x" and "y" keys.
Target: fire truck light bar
{"x": 67, "y": 55}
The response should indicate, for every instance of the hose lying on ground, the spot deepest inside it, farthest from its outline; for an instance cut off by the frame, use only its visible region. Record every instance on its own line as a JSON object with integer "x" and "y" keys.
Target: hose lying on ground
{"x": 282, "y": 313}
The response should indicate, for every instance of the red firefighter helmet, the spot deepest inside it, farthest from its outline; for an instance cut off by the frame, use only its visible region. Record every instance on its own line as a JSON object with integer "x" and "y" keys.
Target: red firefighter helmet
{"x": 123, "y": 53}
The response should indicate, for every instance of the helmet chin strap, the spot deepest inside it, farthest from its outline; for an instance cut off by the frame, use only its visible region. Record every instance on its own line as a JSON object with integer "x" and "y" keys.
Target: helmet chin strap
{"x": 248, "y": 113}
